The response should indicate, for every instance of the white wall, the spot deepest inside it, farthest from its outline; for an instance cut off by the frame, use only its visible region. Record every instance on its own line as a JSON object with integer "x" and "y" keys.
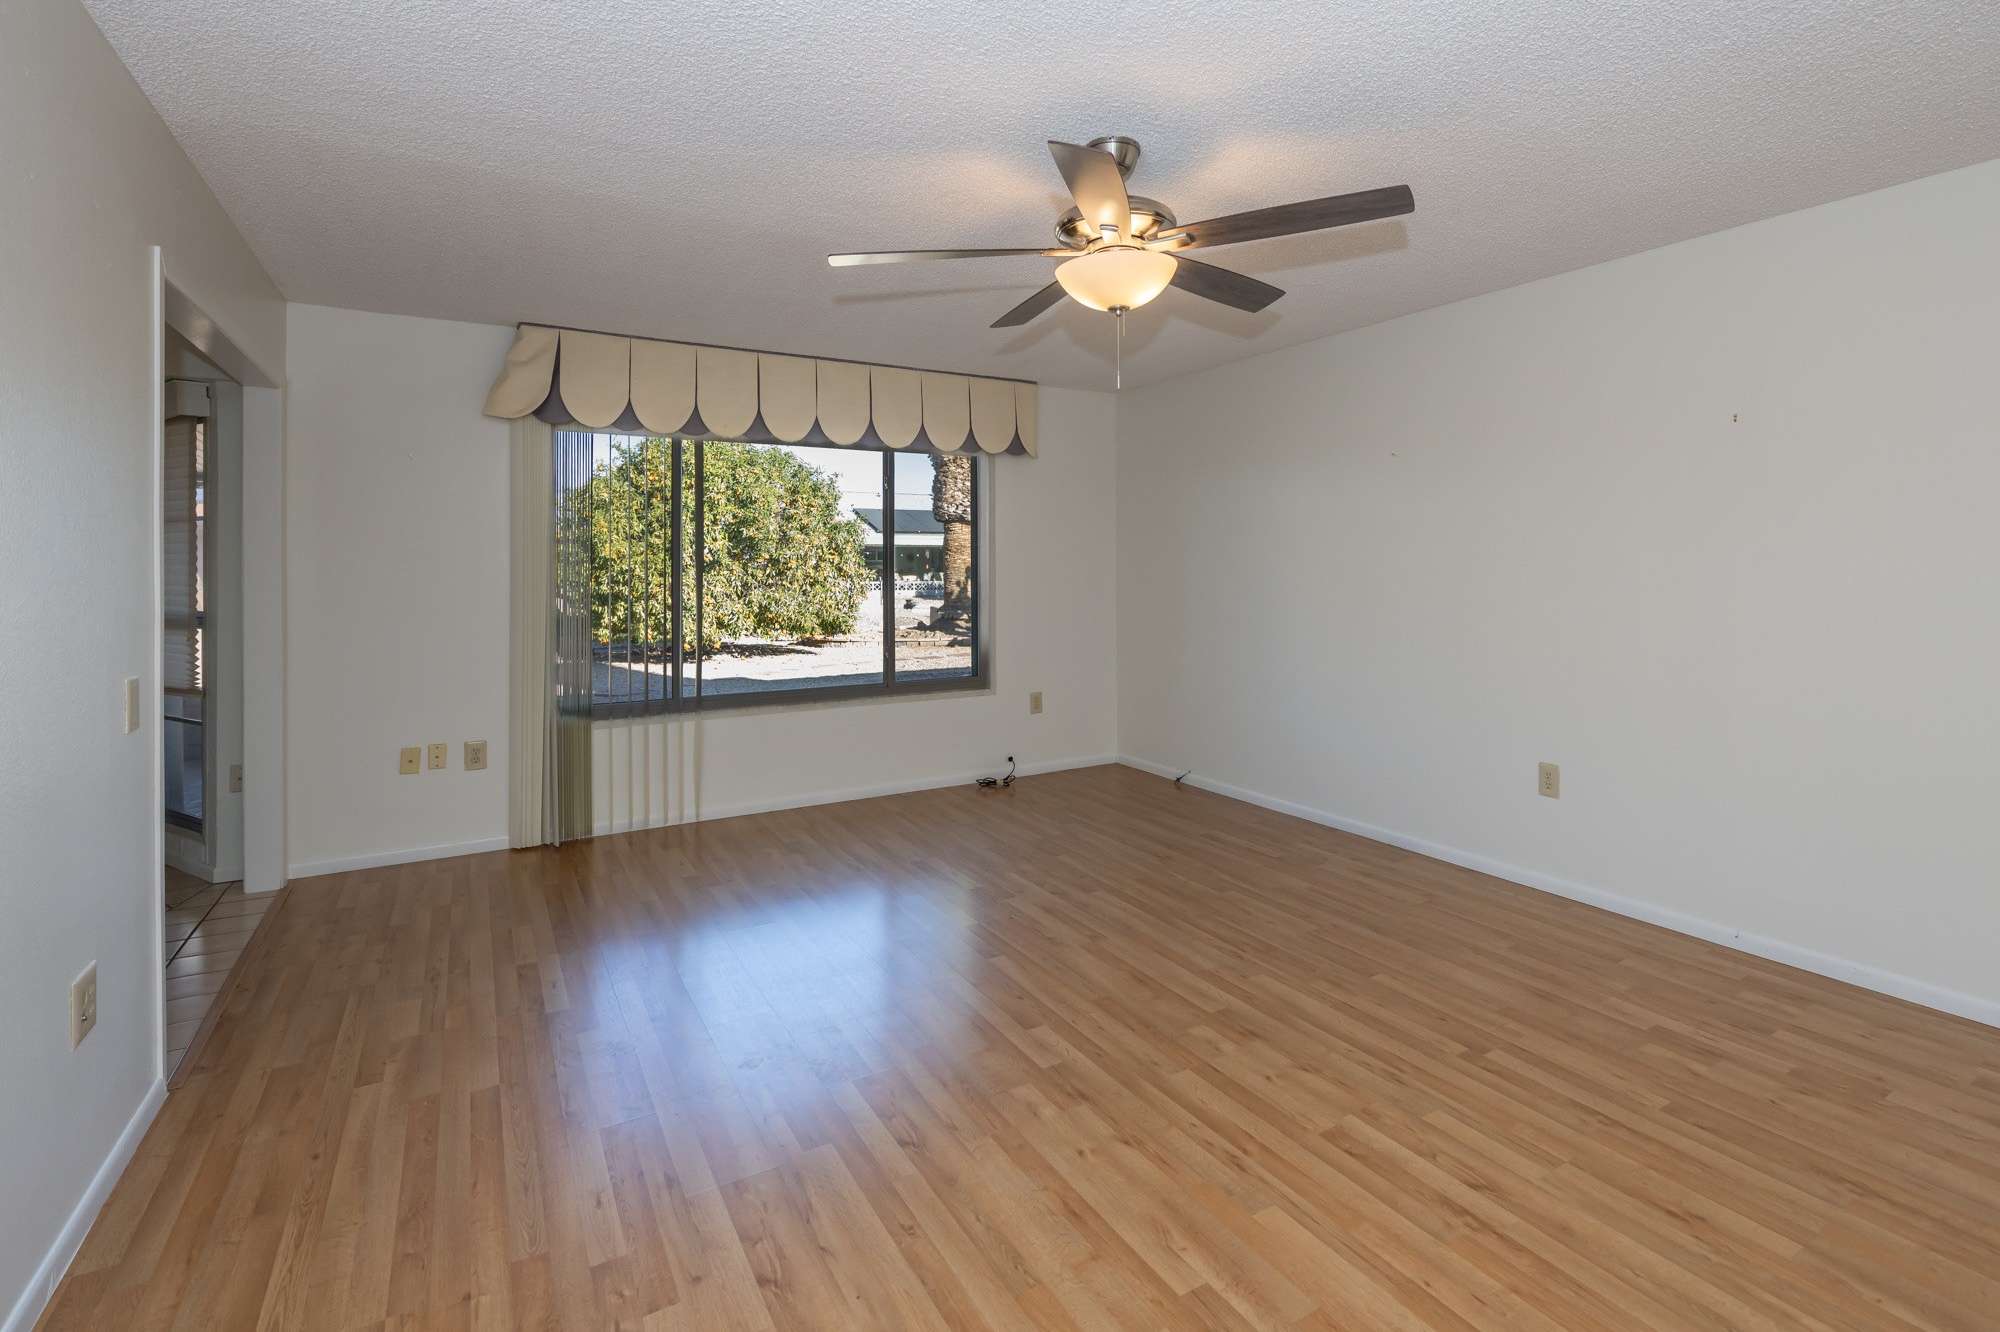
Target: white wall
{"x": 265, "y": 861}
{"x": 396, "y": 585}
{"x": 397, "y": 521}
{"x": 1712, "y": 527}
{"x": 93, "y": 182}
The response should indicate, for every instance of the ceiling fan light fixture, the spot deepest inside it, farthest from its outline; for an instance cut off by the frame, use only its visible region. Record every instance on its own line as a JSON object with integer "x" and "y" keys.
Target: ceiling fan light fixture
{"x": 1117, "y": 277}
{"x": 1121, "y": 250}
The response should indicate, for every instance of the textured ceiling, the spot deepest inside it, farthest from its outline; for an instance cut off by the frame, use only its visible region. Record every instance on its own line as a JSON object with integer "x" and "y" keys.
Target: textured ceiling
{"x": 681, "y": 169}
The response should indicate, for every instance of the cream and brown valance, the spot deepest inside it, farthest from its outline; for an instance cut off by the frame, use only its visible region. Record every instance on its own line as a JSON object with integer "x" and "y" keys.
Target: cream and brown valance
{"x": 600, "y": 381}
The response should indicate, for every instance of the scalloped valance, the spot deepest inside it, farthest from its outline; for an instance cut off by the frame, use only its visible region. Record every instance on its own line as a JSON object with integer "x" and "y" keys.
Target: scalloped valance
{"x": 602, "y": 382}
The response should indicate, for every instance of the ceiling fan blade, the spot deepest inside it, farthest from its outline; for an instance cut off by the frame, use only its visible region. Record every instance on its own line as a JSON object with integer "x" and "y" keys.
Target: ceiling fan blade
{"x": 1031, "y": 307}
{"x": 1337, "y": 210}
{"x": 1099, "y": 186}
{"x": 917, "y": 256}
{"x": 1219, "y": 284}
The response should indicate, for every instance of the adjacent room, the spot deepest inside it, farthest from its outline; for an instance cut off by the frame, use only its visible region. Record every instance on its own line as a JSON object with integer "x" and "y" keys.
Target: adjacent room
{"x": 1296, "y": 667}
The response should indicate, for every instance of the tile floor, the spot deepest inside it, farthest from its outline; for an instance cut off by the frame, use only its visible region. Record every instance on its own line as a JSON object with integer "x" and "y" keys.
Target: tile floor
{"x": 208, "y": 925}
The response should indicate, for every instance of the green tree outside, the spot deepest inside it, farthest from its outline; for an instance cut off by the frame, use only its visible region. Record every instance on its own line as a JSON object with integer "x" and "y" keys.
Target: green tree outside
{"x": 781, "y": 558}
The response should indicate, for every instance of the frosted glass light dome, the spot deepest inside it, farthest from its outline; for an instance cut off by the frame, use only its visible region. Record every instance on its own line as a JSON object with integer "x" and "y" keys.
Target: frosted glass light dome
{"x": 1117, "y": 276}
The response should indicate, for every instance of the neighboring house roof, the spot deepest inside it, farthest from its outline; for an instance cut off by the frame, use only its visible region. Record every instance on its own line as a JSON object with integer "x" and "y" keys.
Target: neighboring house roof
{"x": 909, "y": 522}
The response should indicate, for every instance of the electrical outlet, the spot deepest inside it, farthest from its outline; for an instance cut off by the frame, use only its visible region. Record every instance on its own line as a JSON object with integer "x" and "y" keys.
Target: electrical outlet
{"x": 412, "y": 760}
{"x": 1549, "y": 781}
{"x": 475, "y": 755}
{"x": 131, "y": 704}
{"x": 1034, "y": 702}
{"x": 440, "y": 755}
{"x": 82, "y": 1005}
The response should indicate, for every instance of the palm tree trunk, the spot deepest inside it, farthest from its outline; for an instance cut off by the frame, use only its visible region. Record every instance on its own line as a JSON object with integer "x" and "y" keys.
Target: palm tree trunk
{"x": 951, "y": 505}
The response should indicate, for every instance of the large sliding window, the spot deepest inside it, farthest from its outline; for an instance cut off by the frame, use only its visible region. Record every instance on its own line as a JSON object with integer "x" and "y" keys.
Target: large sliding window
{"x": 726, "y": 574}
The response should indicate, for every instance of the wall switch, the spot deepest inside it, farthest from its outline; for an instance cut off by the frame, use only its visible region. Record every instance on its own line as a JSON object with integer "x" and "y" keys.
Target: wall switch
{"x": 236, "y": 779}
{"x": 412, "y": 760}
{"x": 1034, "y": 702}
{"x": 82, "y": 1005}
{"x": 440, "y": 755}
{"x": 131, "y": 704}
{"x": 475, "y": 755}
{"x": 1549, "y": 781}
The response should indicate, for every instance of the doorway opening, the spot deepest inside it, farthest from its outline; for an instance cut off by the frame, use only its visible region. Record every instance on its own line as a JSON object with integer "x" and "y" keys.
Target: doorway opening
{"x": 207, "y": 920}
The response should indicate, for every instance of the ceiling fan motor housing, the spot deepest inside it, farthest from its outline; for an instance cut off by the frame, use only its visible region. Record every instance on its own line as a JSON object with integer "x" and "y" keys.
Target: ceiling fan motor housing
{"x": 1124, "y": 151}
{"x": 1149, "y": 217}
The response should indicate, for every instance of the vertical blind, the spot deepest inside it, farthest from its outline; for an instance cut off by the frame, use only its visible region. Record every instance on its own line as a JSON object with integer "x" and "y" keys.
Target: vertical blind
{"x": 649, "y": 566}
{"x": 182, "y": 494}
{"x": 570, "y": 662}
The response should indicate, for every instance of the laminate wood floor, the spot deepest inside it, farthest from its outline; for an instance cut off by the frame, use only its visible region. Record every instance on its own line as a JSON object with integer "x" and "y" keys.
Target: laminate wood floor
{"x": 1093, "y": 1052}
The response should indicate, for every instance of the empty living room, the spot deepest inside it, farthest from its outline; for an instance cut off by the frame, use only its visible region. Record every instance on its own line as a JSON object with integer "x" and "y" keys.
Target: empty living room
{"x": 795, "y": 667}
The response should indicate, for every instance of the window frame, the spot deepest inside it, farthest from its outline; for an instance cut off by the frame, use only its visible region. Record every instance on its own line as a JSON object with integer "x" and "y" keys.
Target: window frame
{"x": 686, "y": 489}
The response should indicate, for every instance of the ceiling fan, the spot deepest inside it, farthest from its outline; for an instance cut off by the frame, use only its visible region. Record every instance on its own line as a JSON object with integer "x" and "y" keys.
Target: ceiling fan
{"x": 1119, "y": 251}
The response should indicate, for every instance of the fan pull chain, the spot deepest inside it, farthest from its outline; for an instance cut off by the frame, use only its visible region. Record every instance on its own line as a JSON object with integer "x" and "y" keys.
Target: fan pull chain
{"x": 1118, "y": 356}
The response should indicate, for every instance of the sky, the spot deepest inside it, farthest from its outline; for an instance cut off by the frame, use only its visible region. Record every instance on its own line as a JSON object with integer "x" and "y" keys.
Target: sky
{"x": 858, "y": 472}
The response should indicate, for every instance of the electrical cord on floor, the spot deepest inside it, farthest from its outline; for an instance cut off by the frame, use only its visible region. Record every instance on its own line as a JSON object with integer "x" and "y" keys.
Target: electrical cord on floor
{"x": 1183, "y": 777}
{"x": 991, "y": 783}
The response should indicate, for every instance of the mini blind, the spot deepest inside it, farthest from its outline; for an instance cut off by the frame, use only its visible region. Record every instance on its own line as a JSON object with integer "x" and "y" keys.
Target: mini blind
{"x": 181, "y": 500}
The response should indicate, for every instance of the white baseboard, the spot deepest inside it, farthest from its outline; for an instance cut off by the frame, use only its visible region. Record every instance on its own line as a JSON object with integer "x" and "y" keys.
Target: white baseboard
{"x": 709, "y": 813}
{"x": 406, "y": 856}
{"x": 194, "y": 865}
{"x": 1976, "y": 1007}
{"x": 411, "y": 855}
{"x": 49, "y": 1274}
{"x": 189, "y": 858}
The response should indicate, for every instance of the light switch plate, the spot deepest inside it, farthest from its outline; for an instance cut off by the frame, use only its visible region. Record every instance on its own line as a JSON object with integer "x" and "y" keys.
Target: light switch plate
{"x": 475, "y": 755}
{"x": 82, "y": 1005}
{"x": 236, "y": 779}
{"x": 1034, "y": 702}
{"x": 440, "y": 754}
{"x": 131, "y": 704}
{"x": 412, "y": 760}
